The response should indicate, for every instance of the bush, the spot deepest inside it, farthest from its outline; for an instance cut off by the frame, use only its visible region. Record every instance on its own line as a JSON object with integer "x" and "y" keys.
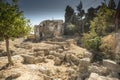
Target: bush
{"x": 1, "y": 39}
{"x": 70, "y": 30}
{"x": 91, "y": 41}
{"x": 108, "y": 44}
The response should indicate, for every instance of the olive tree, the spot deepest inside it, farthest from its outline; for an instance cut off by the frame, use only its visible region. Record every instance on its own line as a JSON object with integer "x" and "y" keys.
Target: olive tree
{"x": 12, "y": 23}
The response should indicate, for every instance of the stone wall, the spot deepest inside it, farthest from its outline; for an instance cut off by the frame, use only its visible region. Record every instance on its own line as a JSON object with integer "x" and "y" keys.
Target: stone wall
{"x": 49, "y": 28}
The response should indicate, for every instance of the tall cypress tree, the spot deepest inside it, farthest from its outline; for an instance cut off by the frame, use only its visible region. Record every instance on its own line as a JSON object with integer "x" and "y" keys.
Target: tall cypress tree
{"x": 69, "y": 12}
{"x": 112, "y": 4}
{"x": 80, "y": 14}
{"x": 80, "y": 10}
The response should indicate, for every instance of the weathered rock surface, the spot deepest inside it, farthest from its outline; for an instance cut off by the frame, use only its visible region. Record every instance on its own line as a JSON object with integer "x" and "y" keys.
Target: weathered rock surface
{"x": 101, "y": 70}
{"x": 57, "y": 61}
{"x": 39, "y": 59}
{"x": 24, "y": 45}
{"x": 39, "y": 53}
{"x": 18, "y": 59}
{"x": 84, "y": 63}
{"x": 51, "y": 57}
{"x": 13, "y": 76}
{"x": 83, "y": 68}
{"x": 94, "y": 76}
{"x": 52, "y": 60}
{"x": 111, "y": 65}
{"x": 28, "y": 59}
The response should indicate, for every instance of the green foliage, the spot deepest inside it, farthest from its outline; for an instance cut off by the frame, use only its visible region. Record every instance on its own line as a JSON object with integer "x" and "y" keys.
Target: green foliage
{"x": 112, "y": 4}
{"x": 91, "y": 13}
{"x": 69, "y": 12}
{"x": 103, "y": 22}
{"x": 80, "y": 22}
{"x": 12, "y": 22}
{"x": 70, "y": 29}
{"x": 91, "y": 41}
{"x": 74, "y": 18}
{"x": 81, "y": 12}
{"x": 70, "y": 17}
{"x": 1, "y": 39}
{"x": 89, "y": 17}
{"x": 100, "y": 26}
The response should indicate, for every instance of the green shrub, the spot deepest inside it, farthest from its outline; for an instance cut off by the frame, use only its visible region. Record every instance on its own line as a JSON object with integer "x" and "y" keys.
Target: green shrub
{"x": 70, "y": 30}
{"x": 1, "y": 39}
{"x": 108, "y": 45}
{"x": 91, "y": 41}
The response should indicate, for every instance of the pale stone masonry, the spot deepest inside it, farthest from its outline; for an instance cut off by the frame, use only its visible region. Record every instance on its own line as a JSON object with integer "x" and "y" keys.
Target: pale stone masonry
{"x": 49, "y": 28}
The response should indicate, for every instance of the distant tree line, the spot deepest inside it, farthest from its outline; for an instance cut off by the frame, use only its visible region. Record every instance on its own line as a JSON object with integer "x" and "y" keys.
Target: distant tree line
{"x": 93, "y": 25}
{"x": 82, "y": 20}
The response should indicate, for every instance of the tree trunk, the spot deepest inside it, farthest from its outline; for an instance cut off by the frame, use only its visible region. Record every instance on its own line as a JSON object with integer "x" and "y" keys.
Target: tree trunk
{"x": 83, "y": 27}
{"x": 8, "y": 52}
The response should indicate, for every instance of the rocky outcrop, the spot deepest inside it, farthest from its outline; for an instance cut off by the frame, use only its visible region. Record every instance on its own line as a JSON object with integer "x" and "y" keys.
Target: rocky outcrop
{"x": 113, "y": 68}
{"x": 101, "y": 70}
{"x": 57, "y": 61}
{"x": 13, "y": 76}
{"x": 111, "y": 65}
{"x": 50, "y": 60}
{"x": 94, "y": 76}
{"x": 83, "y": 68}
{"x": 18, "y": 59}
{"x": 28, "y": 59}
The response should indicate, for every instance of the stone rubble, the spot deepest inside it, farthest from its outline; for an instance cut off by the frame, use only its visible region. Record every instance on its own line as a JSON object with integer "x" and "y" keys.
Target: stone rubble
{"x": 49, "y": 60}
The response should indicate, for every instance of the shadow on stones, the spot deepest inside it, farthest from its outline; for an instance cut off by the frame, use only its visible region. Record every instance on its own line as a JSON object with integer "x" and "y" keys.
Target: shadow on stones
{"x": 4, "y": 67}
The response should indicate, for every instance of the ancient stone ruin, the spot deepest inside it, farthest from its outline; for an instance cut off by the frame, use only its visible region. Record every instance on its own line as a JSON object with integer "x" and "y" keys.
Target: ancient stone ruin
{"x": 48, "y": 28}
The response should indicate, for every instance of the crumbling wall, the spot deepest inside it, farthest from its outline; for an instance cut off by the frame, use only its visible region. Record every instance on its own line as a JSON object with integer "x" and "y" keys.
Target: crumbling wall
{"x": 49, "y": 28}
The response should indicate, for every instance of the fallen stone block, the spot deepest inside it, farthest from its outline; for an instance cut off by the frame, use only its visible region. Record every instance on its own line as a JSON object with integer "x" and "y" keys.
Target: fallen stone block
{"x": 28, "y": 59}
{"x": 111, "y": 65}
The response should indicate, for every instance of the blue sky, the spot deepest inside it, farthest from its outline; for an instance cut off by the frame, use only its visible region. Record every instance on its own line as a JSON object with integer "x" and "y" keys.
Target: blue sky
{"x": 39, "y": 10}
